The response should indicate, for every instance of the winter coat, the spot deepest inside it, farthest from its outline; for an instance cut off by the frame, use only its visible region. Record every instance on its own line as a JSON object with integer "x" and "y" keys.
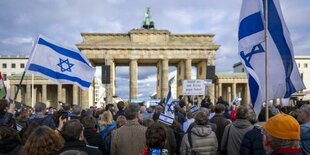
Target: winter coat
{"x": 178, "y": 134}
{"x": 118, "y": 113}
{"x": 10, "y": 147}
{"x": 79, "y": 145}
{"x": 211, "y": 125}
{"x": 128, "y": 139}
{"x": 171, "y": 144}
{"x": 203, "y": 141}
{"x": 236, "y": 132}
{"x": 252, "y": 142}
{"x": 104, "y": 132}
{"x": 45, "y": 120}
{"x": 305, "y": 138}
{"x": 221, "y": 122}
{"x": 5, "y": 118}
{"x": 94, "y": 139}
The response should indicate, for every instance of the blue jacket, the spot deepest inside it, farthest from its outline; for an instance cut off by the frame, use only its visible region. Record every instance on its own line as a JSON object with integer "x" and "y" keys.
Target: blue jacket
{"x": 252, "y": 143}
{"x": 106, "y": 130}
{"x": 305, "y": 138}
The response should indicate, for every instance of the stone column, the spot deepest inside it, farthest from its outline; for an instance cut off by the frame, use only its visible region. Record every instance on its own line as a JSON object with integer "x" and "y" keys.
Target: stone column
{"x": 216, "y": 95}
{"x": 84, "y": 98}
{"x": 164, "y": 79}
{"x": 28, "y": 94}
{"x": 44, "y": 93}
{"x": 212, "y": 92}
{"x": 202, "y": 70}
{"x": 64, "y": 94}
{"x": 180, "y": 78}
{"x": 110, "y": 86}
{"x": 234, "y": 90}
{"x": 247, "y": 94}
{"x": 113, "y": 78}
{"x": 75, "y": 94}
{"x": 188, "y": 69}
{"x": 158, "y": 86}
{"x": 35, "y": 90}
{"x": 133, "y": 71}
{"x": 229, "y": 94}
{"x": 12, "y": 91}
{"x": 59, "y": 93}
{"x": 220, "y": 91}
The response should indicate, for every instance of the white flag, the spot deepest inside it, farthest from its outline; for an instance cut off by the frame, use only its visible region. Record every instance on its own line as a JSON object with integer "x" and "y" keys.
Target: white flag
{"x": 283, "y": 75}
{"x": 59, "y": 63}
{"x": 169, "y": 104}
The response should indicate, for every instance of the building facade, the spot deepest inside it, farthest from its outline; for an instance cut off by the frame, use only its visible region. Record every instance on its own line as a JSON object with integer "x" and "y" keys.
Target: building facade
{"x": 140, "y": 47}
{"x": 44, "y": 90}
{"x": 11, "y": 65}
{"x": 230, "y": 85}
{"x": 303, "y": 63}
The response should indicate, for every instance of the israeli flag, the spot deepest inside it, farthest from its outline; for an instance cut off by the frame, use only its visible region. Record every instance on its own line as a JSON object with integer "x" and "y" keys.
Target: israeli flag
{"x": 283, "y": 75}
{"x": 166, "y": 119}
{"x": 194, "y": 109}
{"x": 169, "y": 104}
{"x": 59, "y": 63}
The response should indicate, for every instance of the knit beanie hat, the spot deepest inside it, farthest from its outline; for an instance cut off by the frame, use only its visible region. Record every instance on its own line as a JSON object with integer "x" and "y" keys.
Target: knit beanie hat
{"x": 282, "y": 126}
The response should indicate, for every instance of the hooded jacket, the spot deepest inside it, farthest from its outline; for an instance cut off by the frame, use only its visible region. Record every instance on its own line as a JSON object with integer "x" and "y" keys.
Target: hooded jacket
{"x": 203, "y": 141}
{"x": 236, "y": 132}
{"x": 305, "y": 138}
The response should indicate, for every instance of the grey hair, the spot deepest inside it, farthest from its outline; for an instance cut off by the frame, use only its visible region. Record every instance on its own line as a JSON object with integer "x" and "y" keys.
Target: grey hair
{"x": 306, "y": 108}
{"x": 39, "y": 107}
{"x": 277, "y": 143}
{"x": 76, "y": 110}
{"x": 242, "y": 112}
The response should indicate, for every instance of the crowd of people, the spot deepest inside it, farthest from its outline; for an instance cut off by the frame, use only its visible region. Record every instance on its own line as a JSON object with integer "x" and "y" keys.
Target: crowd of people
{"x": 134, "y": 129}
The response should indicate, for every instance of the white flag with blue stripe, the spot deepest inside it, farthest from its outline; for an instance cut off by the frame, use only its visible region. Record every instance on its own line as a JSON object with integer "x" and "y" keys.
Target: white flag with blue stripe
{"x": 59, "y": 63}
{"x": 169, "y": 104}
{"x": 283, "y": 75}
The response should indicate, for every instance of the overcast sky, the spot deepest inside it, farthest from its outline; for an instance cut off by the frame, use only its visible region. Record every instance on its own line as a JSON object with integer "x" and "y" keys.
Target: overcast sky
{"x": 63, "y": 20}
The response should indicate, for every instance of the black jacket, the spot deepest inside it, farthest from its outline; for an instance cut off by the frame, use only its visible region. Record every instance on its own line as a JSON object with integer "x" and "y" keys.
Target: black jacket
{"x": 10, "y": 147}
{"x": 5, "y": 118}
{"x": 252, "y": 143}
{"x": 46, "y": 120}
{"x": 118, "y": 113}
{"x": 94, "y": 139}
{"x": 79, "y": 145}
{"x": 221, "y": 122}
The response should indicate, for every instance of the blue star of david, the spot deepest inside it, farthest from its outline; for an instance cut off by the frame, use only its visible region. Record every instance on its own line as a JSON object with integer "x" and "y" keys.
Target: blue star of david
{"x": 65, "y": 65}
{"x": 170, "y": 108}
{"x": 247, "y": 57}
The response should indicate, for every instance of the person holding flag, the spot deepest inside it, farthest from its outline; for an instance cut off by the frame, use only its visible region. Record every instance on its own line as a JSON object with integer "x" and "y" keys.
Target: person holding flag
{"x": 6, "y": 116}
{"x": 2, "y": 88}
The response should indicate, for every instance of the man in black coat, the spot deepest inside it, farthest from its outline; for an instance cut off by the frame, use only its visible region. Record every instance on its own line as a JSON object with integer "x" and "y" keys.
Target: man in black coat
{"x": 220, "y": 121}
{"x": 90, "y": 133}
{"x": 72, "y": 132}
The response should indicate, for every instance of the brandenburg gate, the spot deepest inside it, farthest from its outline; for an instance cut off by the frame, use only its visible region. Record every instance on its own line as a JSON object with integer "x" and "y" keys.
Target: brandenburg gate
{"x": 149, "y": 47}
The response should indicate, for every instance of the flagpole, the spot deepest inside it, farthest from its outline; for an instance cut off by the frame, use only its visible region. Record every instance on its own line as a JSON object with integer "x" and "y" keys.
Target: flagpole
{"x": 32, "y": 90}
{"x": 19, "y": 86}
{"x": 266, "y": 56}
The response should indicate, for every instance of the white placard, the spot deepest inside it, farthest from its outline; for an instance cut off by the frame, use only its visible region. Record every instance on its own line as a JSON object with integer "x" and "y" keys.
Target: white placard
{"x": 193, "y": 87}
